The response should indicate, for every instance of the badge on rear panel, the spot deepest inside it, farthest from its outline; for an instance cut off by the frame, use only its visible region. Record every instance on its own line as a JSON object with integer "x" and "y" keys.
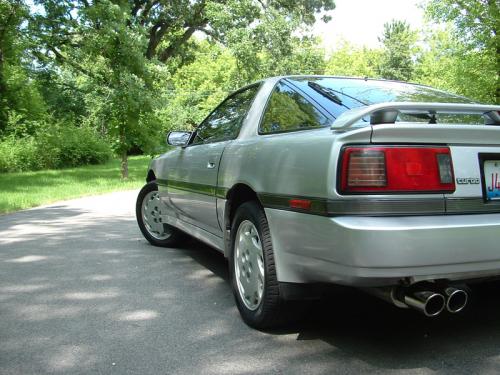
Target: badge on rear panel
{"x": 468, "y": 181}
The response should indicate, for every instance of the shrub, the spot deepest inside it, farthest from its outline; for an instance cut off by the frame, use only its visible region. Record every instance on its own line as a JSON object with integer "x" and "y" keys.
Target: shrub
{"x": 52, "y": 148}
{"x": 19, "y": 155}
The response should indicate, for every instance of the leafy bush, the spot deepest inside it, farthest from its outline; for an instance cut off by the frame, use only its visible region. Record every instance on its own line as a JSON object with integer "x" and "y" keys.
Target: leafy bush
{"x": 53, "y": 148}
{"x": 19, "y": 155}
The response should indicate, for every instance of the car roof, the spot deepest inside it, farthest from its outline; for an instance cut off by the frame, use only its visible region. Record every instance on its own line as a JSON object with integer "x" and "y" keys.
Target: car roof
{"x": 316, "y": 76}
{"x": 312, "y": 76}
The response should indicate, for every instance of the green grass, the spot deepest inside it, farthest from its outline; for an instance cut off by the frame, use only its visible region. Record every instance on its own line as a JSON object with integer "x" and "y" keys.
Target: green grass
{"x": 29, "y": 189}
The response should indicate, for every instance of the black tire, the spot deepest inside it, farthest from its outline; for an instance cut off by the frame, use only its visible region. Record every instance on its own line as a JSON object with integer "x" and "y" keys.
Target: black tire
{"x": 175, "y": 238}
{"x": 272, "y": 311}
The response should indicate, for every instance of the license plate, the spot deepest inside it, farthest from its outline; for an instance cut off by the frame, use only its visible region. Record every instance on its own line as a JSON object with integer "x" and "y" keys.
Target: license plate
{"x": 492, "y": 179}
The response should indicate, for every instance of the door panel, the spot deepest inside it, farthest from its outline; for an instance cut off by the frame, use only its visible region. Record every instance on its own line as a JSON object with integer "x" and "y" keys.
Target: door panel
{"x": 192, "y": 184}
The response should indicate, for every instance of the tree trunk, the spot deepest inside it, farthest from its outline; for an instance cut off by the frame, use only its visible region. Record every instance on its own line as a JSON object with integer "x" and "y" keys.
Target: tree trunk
{"x": 124, "y": 156}
{"x": 124, "y": 165}
{"x": 3, "y": 92}
{"x": 498, "y": 71}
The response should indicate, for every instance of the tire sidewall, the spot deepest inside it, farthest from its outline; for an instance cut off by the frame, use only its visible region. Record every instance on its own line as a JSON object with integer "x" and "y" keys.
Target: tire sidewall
{"x": 251, "y": 211}
{"x": 146, "y": 189}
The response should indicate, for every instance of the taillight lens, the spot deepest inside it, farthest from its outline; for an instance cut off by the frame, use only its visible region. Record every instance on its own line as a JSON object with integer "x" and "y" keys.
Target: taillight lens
{"x": 396, "y": 169}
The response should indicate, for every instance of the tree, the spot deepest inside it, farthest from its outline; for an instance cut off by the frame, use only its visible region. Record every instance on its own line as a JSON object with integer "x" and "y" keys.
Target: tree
{"x": 399, "y": 44}
{"x": 197, "y": 87}
{"x": 449, "y": 64}
{"x": 476, "y": 23}
{"x": 349, "y": 60}
{"x": 20, "y": 99}
{"x": 116, "y": 46}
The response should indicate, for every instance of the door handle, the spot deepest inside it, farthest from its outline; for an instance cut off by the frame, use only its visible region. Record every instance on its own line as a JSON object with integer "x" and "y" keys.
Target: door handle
{"x": 210, "y": 165}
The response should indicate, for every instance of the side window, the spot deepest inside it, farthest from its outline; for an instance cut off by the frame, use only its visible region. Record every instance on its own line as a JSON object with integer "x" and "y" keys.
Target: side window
{"x": 288, "y": 110}
{"x": 224, "y": 123}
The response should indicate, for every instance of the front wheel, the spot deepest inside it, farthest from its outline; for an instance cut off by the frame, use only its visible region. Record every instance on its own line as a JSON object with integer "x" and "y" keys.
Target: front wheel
{"x": 253, "y": 272}
{"x": 149, "y": 210}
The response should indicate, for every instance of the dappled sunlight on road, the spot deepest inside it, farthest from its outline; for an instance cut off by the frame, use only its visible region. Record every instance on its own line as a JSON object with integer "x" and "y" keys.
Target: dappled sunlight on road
{"x": 27, "y": 258}
{"x": 81, "y": 291}
{"x": 137, "y": 315}
{"x": 68, "y": 357}
{"x": 114, "y": 292}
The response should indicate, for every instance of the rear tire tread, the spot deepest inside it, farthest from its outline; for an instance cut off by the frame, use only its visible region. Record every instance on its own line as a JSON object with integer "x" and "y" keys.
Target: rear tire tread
{"x": 274, "y": 312}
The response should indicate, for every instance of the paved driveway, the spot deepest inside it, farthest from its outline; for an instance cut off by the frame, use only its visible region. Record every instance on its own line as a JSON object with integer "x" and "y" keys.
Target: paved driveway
{"x": 82, "y": 292}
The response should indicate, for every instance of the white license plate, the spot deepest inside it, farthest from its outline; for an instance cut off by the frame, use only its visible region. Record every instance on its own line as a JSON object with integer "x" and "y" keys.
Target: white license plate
{"x": 492, "y": 179}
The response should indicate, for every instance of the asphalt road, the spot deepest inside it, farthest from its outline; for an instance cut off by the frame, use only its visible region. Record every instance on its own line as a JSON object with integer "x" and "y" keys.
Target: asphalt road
{"x": 82, "y": 292}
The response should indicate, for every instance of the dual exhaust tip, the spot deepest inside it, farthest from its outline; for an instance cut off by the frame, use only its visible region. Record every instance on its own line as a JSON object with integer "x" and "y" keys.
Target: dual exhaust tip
{"x": 429, "y": 302}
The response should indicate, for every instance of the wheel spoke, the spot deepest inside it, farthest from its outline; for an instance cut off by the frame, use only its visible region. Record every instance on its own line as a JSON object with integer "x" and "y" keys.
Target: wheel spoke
{"x": 254, "y": 247}
{"x": 151, "y": 214}
{"x": 159, "y": 228}
{"x": 253, "y": 285}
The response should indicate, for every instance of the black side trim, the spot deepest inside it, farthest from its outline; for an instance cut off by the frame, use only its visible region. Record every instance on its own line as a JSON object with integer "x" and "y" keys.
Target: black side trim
{"x": 281, "y": 202}
{"x": 378, "y": 207}
{"x": 387, "y": 207}
{"x": 360, "y": 206}
{"x": 471, "y": 205}
{"x": 189, "y": 186}
{"x": 219, "y": 192}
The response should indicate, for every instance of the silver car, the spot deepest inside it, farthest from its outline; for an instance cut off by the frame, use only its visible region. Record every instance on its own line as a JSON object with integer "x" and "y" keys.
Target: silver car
{"x": 307, "y": 181}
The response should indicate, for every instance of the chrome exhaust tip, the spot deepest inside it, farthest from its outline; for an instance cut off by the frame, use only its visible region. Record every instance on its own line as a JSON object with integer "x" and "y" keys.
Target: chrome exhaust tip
{"x": 456, "y": 299}
{"x": 429, "y": 303}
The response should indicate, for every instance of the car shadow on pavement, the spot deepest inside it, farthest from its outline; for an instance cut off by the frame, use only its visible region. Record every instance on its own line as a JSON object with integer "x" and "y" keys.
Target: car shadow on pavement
{"x": 390, "y": 338}
{"x": 375, "y": 332}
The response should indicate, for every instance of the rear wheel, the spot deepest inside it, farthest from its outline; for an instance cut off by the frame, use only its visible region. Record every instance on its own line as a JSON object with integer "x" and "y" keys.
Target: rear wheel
{"x": 148, "y": 211}
{"x": 253, "y": 273}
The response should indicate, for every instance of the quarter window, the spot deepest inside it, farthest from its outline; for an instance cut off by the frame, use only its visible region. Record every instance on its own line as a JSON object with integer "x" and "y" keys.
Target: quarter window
{"x": 288, "y": 110}
{"x": 224, "y": 123}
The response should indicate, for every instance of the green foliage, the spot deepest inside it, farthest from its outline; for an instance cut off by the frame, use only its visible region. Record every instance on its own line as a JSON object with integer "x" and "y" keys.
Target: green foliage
{"x": 19, "y": 154}
{"x": 198, "y": 87}
{"x": 131, "y": 70}
{"x": 476, "y": 24}
{"x": 399, "y": 46}
{"x": 451, "y": 65}
{"x": 117, "y": 46}
{"x": 289, "y": 111}
{"x": 55, "y": 147}
{"x": 349, "y": 60}
{"x": 19, "y": 96}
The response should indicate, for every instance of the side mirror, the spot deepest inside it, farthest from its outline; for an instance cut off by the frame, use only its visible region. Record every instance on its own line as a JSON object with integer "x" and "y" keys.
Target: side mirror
{"x": 178, "y": 138}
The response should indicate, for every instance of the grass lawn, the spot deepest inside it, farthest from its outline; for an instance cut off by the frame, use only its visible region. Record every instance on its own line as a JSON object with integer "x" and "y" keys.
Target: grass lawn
{"x": 30, "y": 189}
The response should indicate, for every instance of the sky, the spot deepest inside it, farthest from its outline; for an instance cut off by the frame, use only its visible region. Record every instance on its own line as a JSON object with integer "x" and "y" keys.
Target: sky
{"x": 362, "y": 21}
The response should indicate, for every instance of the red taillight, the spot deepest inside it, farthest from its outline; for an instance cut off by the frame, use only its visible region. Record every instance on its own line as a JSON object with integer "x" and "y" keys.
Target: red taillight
{"x": 396, "y": 169}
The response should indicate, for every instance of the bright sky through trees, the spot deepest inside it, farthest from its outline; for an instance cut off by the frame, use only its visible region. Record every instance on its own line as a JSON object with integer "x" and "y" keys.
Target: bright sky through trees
{"x": 361, "y": 21}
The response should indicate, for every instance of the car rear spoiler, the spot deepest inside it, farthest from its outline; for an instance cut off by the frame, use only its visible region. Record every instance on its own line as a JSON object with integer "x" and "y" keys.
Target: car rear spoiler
{"x": 387, "y": 113}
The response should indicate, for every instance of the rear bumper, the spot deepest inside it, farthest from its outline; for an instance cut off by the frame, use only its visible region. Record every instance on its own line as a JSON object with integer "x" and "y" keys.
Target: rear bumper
{"x": 378, "y": 251}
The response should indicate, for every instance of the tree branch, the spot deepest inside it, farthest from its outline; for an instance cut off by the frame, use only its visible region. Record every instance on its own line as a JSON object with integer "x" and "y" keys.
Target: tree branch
{"x": 146, "y": 11}
{"x": 171, "y": 50}
{"x": 63, "y": 59}
{"x": 155, "y": 35}
{"x": 210, "y": 33}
